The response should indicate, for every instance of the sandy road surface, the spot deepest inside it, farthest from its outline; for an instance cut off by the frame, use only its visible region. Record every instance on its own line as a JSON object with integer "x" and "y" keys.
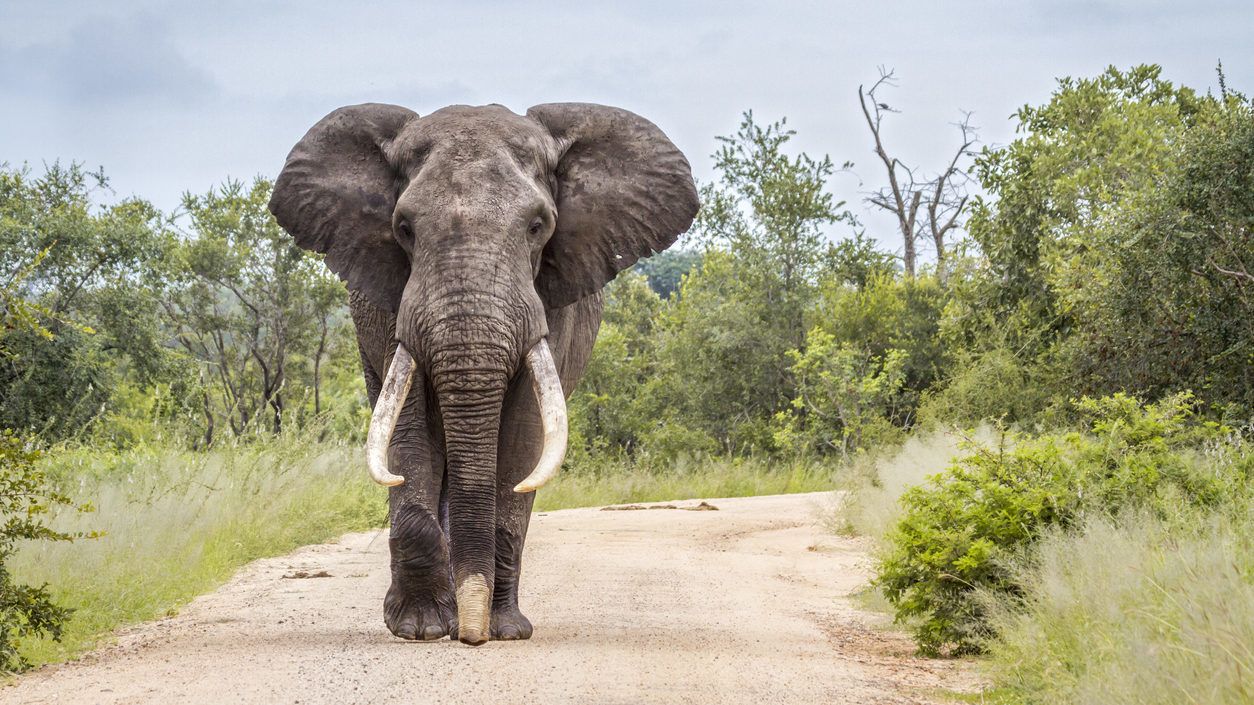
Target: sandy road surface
{"x": 747, "y": 604}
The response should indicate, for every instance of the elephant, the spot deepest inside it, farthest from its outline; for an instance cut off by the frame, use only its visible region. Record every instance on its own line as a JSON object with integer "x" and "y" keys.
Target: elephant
{"x": 474, "y": 243}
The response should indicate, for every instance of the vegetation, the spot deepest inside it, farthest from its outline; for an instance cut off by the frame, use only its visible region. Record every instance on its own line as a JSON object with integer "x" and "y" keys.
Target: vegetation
{"x": 173, "y": 524}
{"x": 960, "y": 533}
{"x": 1105, "y": 257}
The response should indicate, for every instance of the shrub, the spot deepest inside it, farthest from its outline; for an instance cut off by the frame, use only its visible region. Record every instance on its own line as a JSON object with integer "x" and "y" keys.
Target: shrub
{"x": 961, "y": 533}
{"x": 845, "y": 397}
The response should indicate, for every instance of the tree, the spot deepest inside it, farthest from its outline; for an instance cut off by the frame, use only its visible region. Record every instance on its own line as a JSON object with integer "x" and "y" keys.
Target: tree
{"x": 928, "y": 208}
{"x": 87, "y": 275}
{"x": 666, "y": 269}
{"x": 722, "y": 343}
{"x": 252, "y": 308}
{"x": 608, "y": 411}
{"x": 26, "y": 499}
{"x": 1098, "y": 234}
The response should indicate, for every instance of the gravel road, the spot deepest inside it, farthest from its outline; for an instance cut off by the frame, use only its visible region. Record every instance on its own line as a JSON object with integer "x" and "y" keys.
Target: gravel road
{"x": 748, "y": 604}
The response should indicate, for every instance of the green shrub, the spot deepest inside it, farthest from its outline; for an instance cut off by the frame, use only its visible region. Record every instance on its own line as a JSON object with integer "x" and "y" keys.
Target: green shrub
{"x": 993, "y": 384}
{"x": 961, "y": 533}
{"x": 845, "y": 397}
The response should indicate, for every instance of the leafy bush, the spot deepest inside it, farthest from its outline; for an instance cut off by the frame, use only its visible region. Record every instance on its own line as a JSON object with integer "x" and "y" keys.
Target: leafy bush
{"x": 845, "y": 397}
{"x": 992, "y": 384}
{"x": 26, "y": 500}
{"x": 961, "y": 533}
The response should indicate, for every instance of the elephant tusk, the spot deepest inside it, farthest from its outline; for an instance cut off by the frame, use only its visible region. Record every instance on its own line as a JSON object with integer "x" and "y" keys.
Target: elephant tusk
{"x": 387, "y": 410}
{"x": 552, "y": 401}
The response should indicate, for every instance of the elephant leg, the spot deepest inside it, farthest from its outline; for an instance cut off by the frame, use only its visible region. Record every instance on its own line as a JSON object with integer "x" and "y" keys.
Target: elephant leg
{"x": 572, "y": 331}
{"x": 518, "y": 451}
{"x": 420, "y": 603}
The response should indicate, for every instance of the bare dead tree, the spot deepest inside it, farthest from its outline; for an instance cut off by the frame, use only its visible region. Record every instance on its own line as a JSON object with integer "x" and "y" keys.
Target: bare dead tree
{"x": 942, "y": 198}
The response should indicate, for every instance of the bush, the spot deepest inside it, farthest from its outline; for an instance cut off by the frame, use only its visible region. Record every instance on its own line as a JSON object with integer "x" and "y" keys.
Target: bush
{"x": 962, "y": 532}
{"x": 992, "y": 384}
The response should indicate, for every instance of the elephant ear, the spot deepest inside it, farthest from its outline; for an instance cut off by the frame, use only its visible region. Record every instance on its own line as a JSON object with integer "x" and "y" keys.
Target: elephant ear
{"x": 624, "y": 191}
{"x": 336, "y": 195}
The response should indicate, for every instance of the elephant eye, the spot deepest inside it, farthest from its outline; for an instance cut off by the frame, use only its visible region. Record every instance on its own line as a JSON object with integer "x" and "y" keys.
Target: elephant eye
{"x": 405, "y": 230}
{"x": 536, "y": 225}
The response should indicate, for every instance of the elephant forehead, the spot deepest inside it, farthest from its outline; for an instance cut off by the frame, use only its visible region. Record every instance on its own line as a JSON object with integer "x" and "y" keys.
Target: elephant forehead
{"x": 475, "y": 134}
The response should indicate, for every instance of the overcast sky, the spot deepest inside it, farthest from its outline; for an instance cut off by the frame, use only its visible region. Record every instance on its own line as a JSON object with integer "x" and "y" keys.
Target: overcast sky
{"x": 175, "y": 96}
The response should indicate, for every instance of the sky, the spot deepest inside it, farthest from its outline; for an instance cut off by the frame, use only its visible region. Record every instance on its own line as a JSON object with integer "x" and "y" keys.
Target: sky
{"x": 177, "y": 96}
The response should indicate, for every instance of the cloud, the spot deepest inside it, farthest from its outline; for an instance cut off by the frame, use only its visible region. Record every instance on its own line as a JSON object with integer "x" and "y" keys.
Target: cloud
{"x": 107, "y": 62}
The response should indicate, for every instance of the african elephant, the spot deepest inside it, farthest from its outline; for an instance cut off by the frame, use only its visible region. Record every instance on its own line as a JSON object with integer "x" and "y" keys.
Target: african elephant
{"x": 474, "y": 243}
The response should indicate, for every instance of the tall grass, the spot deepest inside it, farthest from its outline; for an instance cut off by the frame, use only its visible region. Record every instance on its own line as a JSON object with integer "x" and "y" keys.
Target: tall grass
{"x": 178, "y": 523}
{"x": 870, "y": 487}
{"x": 1133, "y": 612}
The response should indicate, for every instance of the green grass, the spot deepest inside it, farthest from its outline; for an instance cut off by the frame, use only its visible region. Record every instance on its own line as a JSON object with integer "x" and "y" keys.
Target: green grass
{"x": 687, "y": 479}
{"x": 1133, "y": 611}
{"x": 178, "y": 523}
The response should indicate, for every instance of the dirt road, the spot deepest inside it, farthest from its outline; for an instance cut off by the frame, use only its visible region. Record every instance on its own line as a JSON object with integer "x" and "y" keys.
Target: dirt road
{"x": 747, "y": 604}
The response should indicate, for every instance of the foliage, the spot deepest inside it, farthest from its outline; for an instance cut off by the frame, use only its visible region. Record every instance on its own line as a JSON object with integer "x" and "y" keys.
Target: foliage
{"x": 1114, "y": 242}
{"x": 250, "y": 306}
{"x": 886, "y": 314}
{"x": 666, "y": 270}
{"x": 960, "y": 533}
{"x": 82, "y": 276}
{"x": 721, "y": 345}
{"x": 844, "y": 399}
{"x": 26, "y": 501}
{"x": 1175, "y": 308}
{"x": 607, "y": 413}
{"x": 991, "y": 384}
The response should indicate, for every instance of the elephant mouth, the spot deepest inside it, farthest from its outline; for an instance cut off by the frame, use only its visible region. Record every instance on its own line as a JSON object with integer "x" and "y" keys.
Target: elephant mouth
{"x": 546, "y": 385}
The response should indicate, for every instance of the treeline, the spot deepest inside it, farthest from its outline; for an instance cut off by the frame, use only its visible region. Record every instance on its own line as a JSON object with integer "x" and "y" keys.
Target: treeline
{"x": 148, "y": 326}
{"x": 1108, "y": 248}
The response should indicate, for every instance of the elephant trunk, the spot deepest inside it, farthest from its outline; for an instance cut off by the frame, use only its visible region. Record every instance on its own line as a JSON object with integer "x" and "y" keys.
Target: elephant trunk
{"x": 469, "y": 378}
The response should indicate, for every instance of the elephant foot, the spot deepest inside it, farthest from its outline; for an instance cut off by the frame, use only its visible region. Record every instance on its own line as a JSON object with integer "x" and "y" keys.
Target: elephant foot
{"x": 509, "y": 624}
{"x": 419, "y": 617}
{"x": 419, "y": 605}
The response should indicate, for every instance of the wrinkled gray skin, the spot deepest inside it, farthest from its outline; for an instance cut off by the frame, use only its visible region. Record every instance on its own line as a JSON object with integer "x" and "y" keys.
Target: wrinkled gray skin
{"x": 468, "y": 235}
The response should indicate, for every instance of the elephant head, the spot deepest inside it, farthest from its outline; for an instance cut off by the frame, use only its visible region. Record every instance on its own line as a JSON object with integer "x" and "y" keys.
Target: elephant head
{"x": 469, "y": 224}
